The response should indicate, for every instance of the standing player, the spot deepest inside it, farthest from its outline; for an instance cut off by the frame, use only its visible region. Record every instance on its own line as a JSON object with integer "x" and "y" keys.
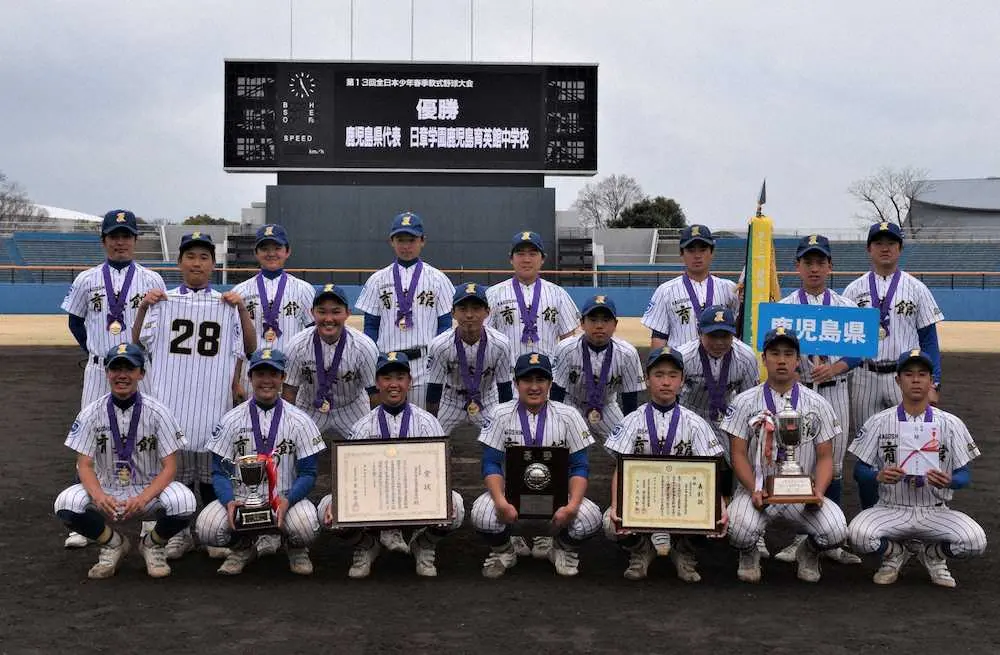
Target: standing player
{"x": 469, "y": 365}
{"x": 750, "y": 423}
{"x": 195, "y": 337}
{"x": 264, "y": 425}
{"x": 407, "y": 303}
{"x": 676, "y": 305}
{"x": 592, "y": 368}
{"x": 660, "y": 427}
{"x": 395, "y": 418}
{"x": 102, "y": 303}
{"x": 908, "y": 316}
{"x": 130, "y": 477}
{"x": 915, "y": 507}
{"x": 535, "y": 420}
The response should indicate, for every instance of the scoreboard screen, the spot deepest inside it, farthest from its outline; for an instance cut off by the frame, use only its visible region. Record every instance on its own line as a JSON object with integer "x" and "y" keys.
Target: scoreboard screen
{"x": 430, "y": 117}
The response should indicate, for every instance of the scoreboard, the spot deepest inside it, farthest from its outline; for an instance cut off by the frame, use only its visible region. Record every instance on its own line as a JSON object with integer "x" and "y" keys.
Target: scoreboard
{"x": 409, "y": 116}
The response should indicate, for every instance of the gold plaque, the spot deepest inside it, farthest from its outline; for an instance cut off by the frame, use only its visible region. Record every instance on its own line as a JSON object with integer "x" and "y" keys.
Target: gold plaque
{"x": 669, "y": 494}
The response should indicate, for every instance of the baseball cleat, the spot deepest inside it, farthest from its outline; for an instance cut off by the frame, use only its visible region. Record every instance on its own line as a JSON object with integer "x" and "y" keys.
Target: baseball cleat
{"x": 639, "y": 559}
{"x": 155, "y": 556}
{"x": 180, "y": 544}
{"x": 498, "y": 561}
{"x": 75, "y": 540}
{"x": 364, "y": 558}
{"x": 937, "y": 567}
{"x": 109, "y": 558}
{"x": 521, "y": 547}
{"x": 749, "y": 567}
{"x": 893, "y": 561}
{"x": 808, "y": 562}
{"x": 217, "y": 552}
{"x": 393, "y": 541}
{"x": 841, "y": 556}
{"x": 268, "y": 544}
{"x": 237, "y": 560}
{"x": 661, "y": 543}
{"x": 146, "y": 527}
{"x": 298, "y": 561}
{"x": 762, "y": 547}
{"x": 541, "y": 547}
{"x": 423, "y": 553}
{"x": 686, "y": 565}
{"x": 566, "y": 561}
{"x": 787, "y": 554}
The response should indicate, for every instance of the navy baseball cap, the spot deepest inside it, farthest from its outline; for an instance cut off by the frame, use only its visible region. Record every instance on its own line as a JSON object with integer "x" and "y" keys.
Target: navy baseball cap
{"x": 468, "y": 290}
{"x": 911, "y": 356}
{"x": 532, "y": 362}
{"x": 271, "y": 232}
{"x": 119, "y": 219}
{"x": 811, "y": 243}
{"x": 267, "y": 357}
{"x": 693, "y": 233}
{"x": 197, "y": 238}
{"x": 393, "y": 359}
{"x": 781, "y": 334}
{"x": 331, "y": 291}
{"x": 407, "y": 223}
{"x": 665, "y": 352}
{"x": 884, "y": 228}
{"x": 527, "y": 238}
{"x": 597, "y": 303}
{"x": 130, "y": 352}
{"x": 717, "y": 318}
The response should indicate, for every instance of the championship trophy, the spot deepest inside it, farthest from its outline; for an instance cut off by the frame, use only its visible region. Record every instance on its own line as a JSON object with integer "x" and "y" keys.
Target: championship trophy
{"x": 536, "y": 480}
{"x": 256, "y": 513}
{"x": 790, "y": 484}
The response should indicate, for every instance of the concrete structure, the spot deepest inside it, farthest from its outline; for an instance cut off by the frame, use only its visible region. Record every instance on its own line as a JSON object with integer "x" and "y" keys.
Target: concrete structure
{"x": 956, "y": 209}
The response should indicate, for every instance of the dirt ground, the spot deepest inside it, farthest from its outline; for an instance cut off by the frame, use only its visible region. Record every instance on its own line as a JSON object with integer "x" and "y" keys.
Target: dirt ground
{"x": 48, "y": 605}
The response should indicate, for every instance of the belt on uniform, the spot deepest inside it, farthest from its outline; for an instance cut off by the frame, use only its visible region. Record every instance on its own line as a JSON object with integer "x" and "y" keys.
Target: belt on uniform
{"x": 95, "y": 359}
{"x": 456, "y": 390}
{"x": 824, "y": 385}
{"x": 881, "y": 367}
{"x": 413, "y": 353}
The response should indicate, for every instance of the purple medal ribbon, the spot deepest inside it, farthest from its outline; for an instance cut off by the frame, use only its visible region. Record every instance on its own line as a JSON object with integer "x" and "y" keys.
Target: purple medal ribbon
{"x": 325, "y": 376}
{"x": 716, "y": 387}
{"x": 264, "y": 447}
{"x": 116, "y": 301}
{"x": 804, "y": 300}
{"x": 471, "y": 379}
{"x": 124, "y": 447}
{"x": 270, "y": 309}
{"x": 529, "y": 315}
{"x": 770, "y": 401}
{"x": 666, "y": 445}
{"x": 404, "y": 300}
{"x": 539, "y": 435}
{"x": 595, "y": 390}
{"x": 884, "y": 305}
{"x": 404, "y": 423}
{"x": 693, "y": 297}
{"x": 915, "y": 480}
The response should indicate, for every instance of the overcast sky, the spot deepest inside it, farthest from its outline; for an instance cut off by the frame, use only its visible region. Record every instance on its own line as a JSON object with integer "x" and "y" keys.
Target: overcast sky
{"x": 106, "y": 104}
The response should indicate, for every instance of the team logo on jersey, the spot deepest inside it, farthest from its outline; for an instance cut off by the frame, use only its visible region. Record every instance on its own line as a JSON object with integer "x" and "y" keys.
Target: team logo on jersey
{"x": 905, "y": 308}
{"x": 812, "y": 240}
{"x": 269, "y": 231}
{"x": 811, "y": 424}
{"x": 120, "y": 217}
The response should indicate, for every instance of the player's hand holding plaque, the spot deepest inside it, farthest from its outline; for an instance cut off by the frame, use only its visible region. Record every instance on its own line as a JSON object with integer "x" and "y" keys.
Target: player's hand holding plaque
{"x": 536, "y": 480}
{"x": 256, "y": 513}
{"x": 789, "y": 484}
{"x": 669, "y": 494}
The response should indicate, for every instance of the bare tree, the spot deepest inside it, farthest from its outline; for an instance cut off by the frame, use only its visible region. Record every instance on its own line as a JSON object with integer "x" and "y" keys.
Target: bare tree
{"x": 605, "y": 200}
{"x": 15, "y": 205}
{"x": 887, "y": 195}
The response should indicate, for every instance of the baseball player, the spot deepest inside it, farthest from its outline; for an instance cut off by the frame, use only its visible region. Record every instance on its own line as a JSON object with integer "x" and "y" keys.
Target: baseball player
{"x": 264, "y": 425}
{"x": 331, "y": 366}
{"x": 591, "y": 369}
{"x": 534, "y": 420}
{"x": 130, "y": 476}
{"x": 469, "y": 365}
{"x": 908, "y": 320}
{"x": 677, "y": 304}
{"x": 395, "y": 418}
{"x": 750, "y": 422}
{"x": 195, "y": 337}
{"x": 407, "y": 303}
{"x": 102, "y": 303}
{"x": 910, "y": 506}
{"x": 826, "y": 375}
{"x": 660, "y": 427}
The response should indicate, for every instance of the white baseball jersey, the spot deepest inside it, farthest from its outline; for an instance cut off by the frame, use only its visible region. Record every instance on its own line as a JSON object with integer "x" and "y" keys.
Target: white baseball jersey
{"x": 671, "y": 311}
{"x": 744, "y": 373}
{"x": 194, "y": 340}
{"x": 354, "y": 375}
{"x": 564, "y": 427}
{"x": 877, "y": 444}
{"x": 297, "y": 437}
{"x": 158, "y": 435}
{"x": 422, "y": 424}
{"x": 293, "y": 315}
{"x": 557, "y": 315}
{"x": 624, "y": 376}
{"x": 694, "y": 437}
{"x": 830, "y": 298}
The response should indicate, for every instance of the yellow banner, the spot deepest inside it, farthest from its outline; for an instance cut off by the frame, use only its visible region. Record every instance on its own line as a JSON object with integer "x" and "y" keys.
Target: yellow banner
{"x": 761, "y": 279}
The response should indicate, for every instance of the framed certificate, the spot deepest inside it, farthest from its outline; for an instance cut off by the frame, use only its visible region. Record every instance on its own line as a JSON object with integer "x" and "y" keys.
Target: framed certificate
{"x": 391, "y": 482}
{"x": 536, "y": 480}
{"x": 669, "y": 494}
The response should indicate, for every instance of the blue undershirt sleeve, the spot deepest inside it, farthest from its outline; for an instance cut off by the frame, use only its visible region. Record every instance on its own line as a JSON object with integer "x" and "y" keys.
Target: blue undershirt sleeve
{"x": 220, "y": 480}
{"x": 659, "y": 335}
{"x": 78, "y": 329}
{"x": 492, "y": 461}
{"x": 305, "y": 480}
{"x": 434, "y": 391}
{"x": 630, "y": 401}
{"x": 864, "y": 473}
{"x": 557, "y": 393}
{"x": 506, "y": 392}
{"x": 929, "y": 344}
{"x": 579, "y": 464}
{"x": 372, "y": 323}
{"x": 852, "y": 362}
{"x": 960, "y": 477}
{"x": 444, "y": 323}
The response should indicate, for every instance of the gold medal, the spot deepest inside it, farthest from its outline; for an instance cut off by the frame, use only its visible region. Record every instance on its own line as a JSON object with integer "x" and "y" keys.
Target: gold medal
{"x": 270, "y": 336}
{"x": 882, "y": 333}
{"x": 124, "y": 476}
{"x": 473, "y": 408}
{"x": 115, "y": 328}
{"x": 325, "y": 407}
{"x": 594, "y": 416}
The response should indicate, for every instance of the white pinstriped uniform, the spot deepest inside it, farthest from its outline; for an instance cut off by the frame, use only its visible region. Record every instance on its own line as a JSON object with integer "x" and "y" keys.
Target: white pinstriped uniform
{"x": 670, "y": 310}
{"x": 353, "y": 377}
{"x": 297, "y": 438}
{"x": 157, "y": 436}
{"x": 557, "y": 315}
{"x": 295, "y": 305}
{"x": 913, "y": 307}
{"x": 422, "y": 424}
{"x": 825, "y": 524}
{"x": 906, "y": 511}
{"x": 442, "y": 364}
{"x": 563, "y": 428}
{"x": 87, "y": 299}
{"x": 194, "y": 340}
{"x": 625, "y": 376}
{"x": 744, "y": 373}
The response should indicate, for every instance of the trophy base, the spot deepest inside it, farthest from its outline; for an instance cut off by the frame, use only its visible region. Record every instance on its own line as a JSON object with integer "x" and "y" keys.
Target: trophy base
{"x": 254, "y": 520}
{"x": 790, "y": 489}
{"x": 536, "y": 506}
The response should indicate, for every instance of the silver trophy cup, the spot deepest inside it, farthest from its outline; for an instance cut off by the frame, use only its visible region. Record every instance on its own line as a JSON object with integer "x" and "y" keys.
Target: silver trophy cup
{"x": 790, "y": 436}
{"x": 255, "y": 513}
{"x": 790, "y": 483}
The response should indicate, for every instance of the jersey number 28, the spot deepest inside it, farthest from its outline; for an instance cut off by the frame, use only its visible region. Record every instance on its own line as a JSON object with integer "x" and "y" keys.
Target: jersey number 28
{"x": 207, "y": 344}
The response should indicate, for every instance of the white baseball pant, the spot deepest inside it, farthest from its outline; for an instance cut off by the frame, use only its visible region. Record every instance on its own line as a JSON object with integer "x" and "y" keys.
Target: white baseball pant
{"x": 872, "y": 392}
{"x": 300, "y": 525}
{"x": 175, "y": 500}
{"x": 194, "y": 467}
{"x": 339, "y": 420}
{"x": 963, "y": 536}
{"x": 457, "y": 510}
{"x": 452, "y": 414}
{"x": 418, "y": 395}
{"x": 825, "y": 524}
{"x": 611, "y": 530}
{"x": 839, "y": 398}
{"x": 586, "y": 524}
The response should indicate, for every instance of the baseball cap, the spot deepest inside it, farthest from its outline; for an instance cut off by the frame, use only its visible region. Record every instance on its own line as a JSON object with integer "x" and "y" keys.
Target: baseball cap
{"x": 197, "y": 238}
{"x": 664, "y": 352}
{"x": 915, "y": 355}
{"x": 468, "y": 290}
{"x": 267, "y": 357}
{"x": 781, "y": 334}
{"x": 407, "y": 223}
{"x": 527, "y": 238}
{"x": 390, "y": 360}
{"x": 331, "y": 291}
{"x": 816, "y": 242}
{"x": 271, "y": 232}
{"x": 530, "y": 362}
{"x": 597, "y": 303}
{"x": 884, "y": 228}
{"x": 128, "y": 351}
{"x": 693, "y": 233}
{"x": 717, "y": 318}
{"x": 119, "y": 219}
